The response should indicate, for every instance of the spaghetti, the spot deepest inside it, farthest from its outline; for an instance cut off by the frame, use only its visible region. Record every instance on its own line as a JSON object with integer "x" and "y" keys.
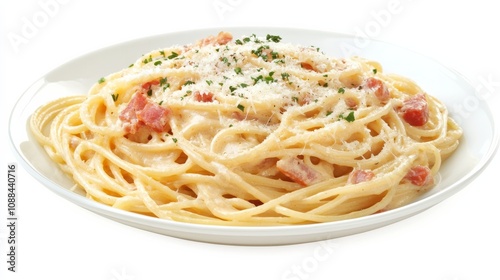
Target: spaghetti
{"x": 251, "y": 131}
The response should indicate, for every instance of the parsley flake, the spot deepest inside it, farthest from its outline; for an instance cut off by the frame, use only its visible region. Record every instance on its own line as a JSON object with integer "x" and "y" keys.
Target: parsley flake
{"x": 257, "y": 79}
{"x": 173, "y": 55}
{"x": 163, "y": 81}
{"x": 349, "y": 118}
{"x": 273, "y": 38}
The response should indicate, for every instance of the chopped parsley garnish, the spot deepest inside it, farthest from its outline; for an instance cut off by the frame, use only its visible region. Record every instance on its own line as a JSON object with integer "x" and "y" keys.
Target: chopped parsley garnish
{"x": 341, "y": 90}
{"x": 274, "y": 55}
{"x": 270, "y": 79}
{"x": 349, "y": 118}
{"x": 259, "y": 52}
{"x": 158, "y": 62}
{"x": 163, "y": 81}
{"x": 173, "y": 55}
{"x": 174, "y": 139}
{"x": 285, "y": 76}
{"x": 255, "y": 39}
{"x": 273, "y": 38}
{"x": 374, "y": 70}
{"x": 241, "y": 42}
{"x": 101, "y": 80}
{"x": 237, "y": 70}
{"x": 147, "y": 60}
{"x": 257, "y": 79}
{"x": 188, "y": 83}
{"x": 241, "y": 107}
{"x": 209, "y": 82}
{"x": 115, "y": 97}
{"x": 269, "y": 38}
{"x": 226, "y": 61}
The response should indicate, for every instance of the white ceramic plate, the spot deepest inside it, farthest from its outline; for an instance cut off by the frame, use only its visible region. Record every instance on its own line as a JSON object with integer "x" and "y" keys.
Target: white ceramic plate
{"x": 477, "y": 146}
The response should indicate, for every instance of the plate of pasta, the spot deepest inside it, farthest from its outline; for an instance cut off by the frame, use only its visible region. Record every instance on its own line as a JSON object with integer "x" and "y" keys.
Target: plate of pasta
{"x": 253, "y": 136}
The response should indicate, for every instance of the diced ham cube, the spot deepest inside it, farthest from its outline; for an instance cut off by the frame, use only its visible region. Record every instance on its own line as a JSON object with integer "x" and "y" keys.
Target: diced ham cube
{"x": 359, "y": 176}
{"x": 129, "y": 114}
{"x": 221, "y": 39}
{"x": 351, "y": 102}
{"x": 155, "y": 117}
{"x": 203, "y": 96}
{"x": 415, "y": 110}
{"x": 298, "y": 171}
{"x": 379, "y": 89}
{"x": 420, "y": 176}
{"x": 148, "y": 85}
{"x": 142, "y": 112}
{"x": 307, "y": 66}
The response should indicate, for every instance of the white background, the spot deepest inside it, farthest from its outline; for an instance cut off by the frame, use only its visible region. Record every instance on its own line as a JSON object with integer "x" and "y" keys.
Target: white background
{"x": 456, "y": 240}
